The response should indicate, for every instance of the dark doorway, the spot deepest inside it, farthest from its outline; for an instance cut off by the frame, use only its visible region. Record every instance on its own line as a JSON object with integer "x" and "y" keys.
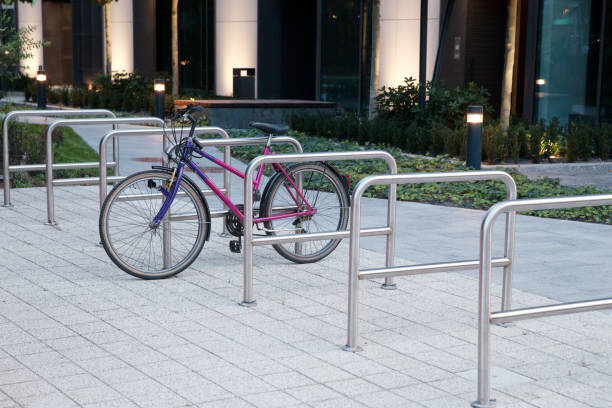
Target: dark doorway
{"x": 286, "y": 48}
{"x": 86, "y": 41}
{"x": 58, "y": 31}
{"x": 195, "y": 44}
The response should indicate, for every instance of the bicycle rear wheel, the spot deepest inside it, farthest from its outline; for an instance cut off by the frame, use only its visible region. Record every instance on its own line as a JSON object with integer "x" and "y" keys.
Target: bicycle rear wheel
{"x": 134, "y": 244}
{"x": 327, "y": 195}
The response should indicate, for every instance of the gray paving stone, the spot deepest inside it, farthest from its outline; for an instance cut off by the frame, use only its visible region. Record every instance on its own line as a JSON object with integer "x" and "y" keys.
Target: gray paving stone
{"x": 76, "y": 331}
{"x": 48, "y": 400}
{"x": 96, "y": 393}
{"x": 274, "y": 399}
{"x": 17, "y": 376}
{"x": 312, "y": 393}
{"x": 282, "y": 381}
{"x": 227, "y": 403}
{"x": 353, "y": 386}
{"x": 27, "y": 389}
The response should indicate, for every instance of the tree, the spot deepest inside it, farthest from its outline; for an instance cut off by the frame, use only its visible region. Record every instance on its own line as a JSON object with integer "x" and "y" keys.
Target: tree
{"x": 107, "y": 16}
{"x": 16, "y": 45}
{"x": 508, "y": 64}
{"x": 175, "y": 67}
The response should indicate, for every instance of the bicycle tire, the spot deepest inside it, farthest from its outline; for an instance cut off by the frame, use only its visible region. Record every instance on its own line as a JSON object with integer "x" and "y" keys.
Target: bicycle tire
{"x": 319, "y": 182}
{"x": 122, "y": 222}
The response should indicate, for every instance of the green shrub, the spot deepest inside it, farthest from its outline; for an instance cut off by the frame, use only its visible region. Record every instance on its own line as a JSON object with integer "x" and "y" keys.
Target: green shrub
{"x": 90, "y": 98}
{"x": 53, "y": 95}
{"x": 445, "y": 106}
{"x": 105, "y": 98}
{"x": 603, "y": 141}
{"x": 517, "y": 141}
{"x": 27, "y": 143}
{"x": 494, "y": 142}
{"x": 455, "y": 141}
{"x": 535, "y": 138}
{"x": 585, "y": 142}
{"x": 65, "y": 96}
{"x": 77, "y": 98}
{"x": 449, "y": 106}
{"x": 400, "y": 102}
{"x": 572, "y": 138}
{"x": 418, "y": 138}
{"x": 551, "y": 143}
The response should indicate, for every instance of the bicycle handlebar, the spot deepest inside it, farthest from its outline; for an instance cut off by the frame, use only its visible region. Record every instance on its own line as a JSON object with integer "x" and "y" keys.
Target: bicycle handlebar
{"x": 191, "y": 112}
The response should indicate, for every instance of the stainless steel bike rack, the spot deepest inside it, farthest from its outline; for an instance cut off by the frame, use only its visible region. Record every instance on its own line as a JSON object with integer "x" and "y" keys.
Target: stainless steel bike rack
{"x": 486, "y": 317}
{"x": 48, "y": 167}
{"x": 36, "y": 167}
{"x": 206, "y": 143}
{"x": 250, "y": 242}
{"x": 355, "y": 274}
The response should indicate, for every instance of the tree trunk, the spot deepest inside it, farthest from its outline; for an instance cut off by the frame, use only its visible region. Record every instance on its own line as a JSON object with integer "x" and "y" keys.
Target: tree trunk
{"x": 375, "y": 63}
{"x": 175, "y": 68}
{"x": 506, "y": 95}
{"x": 107, "y": 24}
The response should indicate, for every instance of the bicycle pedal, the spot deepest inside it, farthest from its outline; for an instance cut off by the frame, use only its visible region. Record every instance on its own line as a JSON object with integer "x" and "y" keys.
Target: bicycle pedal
{"x": 235, "y": 246}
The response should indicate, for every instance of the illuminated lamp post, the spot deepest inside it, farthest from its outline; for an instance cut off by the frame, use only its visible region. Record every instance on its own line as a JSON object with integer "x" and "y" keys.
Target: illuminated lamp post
{"x": 474, "y": 137}
{"x": 41, "y": 95}
{"x": 159, "y": 89}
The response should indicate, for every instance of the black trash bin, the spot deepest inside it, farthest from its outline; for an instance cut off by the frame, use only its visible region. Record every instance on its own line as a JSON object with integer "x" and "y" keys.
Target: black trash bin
{"x": 244, "y": 83}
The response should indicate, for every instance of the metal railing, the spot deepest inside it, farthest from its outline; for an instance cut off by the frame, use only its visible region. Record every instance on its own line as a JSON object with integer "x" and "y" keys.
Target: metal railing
{"x": 486, "y": 317}
{"x": 226, "y": 142}
{"x": 49, "y": 167}
{"x": 250, "y": 242}
{"x": 354, "y": 260}
{"x": 7, "y": 168}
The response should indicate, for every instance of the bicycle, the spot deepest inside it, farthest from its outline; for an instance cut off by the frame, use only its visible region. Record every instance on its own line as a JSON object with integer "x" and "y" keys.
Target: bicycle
{"x": 164, "y": 208}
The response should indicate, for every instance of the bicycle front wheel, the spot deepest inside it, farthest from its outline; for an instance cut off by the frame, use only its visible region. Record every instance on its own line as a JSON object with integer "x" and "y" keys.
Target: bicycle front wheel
{"x": 326, "y": 194}
{"x": 135, "y": 244}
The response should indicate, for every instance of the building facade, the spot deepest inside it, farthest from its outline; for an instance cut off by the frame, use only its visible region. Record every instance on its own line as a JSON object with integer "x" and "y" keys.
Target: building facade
{"x": 315, "y": 49}
{"x": 563, "y": 59}
{"x": 322, "y": 49}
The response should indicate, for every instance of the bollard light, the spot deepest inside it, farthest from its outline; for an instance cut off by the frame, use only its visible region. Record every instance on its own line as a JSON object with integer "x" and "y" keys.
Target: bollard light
{"x": 474, "y": 137}
{"x": 41, "y": 95}
{"x": 159, "y": 89}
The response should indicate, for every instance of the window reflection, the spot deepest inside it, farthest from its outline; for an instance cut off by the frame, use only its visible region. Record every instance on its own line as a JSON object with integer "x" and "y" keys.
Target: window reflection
{"x": 341, "y": 40}
{"x": 568, "y": 46}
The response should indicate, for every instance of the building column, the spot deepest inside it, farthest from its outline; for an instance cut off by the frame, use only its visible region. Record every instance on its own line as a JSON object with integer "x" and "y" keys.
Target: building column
{"x": 31, "y": 15}
{"x": 399, "y": 40}
{"x": 235, "y": 41}
{"x": 122, "y": 36}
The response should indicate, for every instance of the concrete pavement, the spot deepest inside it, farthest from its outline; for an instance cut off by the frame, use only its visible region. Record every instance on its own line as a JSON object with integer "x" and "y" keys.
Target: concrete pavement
{"x": 76, "y": 331}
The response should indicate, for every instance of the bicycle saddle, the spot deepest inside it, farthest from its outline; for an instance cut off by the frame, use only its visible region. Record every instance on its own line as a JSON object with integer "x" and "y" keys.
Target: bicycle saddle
{"x": 272, "y": 128}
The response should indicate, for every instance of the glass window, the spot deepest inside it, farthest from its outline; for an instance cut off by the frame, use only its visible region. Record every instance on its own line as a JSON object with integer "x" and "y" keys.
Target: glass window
{"x": 567, "y": 57}
{"x": 196, "y": 44}
{"x": 196, "y": 57}
{"x": 606, "y": 80}
{"x": 341, "y": 40}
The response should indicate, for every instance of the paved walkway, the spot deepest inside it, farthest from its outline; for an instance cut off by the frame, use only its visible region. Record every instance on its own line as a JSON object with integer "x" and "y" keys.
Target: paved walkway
{"x": 76, "y": 331}
{"x": 595, "y": 173}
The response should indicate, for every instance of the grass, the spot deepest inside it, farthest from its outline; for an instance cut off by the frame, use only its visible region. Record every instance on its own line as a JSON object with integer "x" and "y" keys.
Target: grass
{"x": 68, "y": 147}
{"x": 479, "y": 195}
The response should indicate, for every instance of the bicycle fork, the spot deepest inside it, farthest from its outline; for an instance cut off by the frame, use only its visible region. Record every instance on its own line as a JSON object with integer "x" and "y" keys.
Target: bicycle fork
{"x": 169, "y": 194}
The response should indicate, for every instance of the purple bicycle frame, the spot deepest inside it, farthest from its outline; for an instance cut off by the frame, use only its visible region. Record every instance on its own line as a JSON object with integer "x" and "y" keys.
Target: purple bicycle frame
{"x": 233, "y": 208}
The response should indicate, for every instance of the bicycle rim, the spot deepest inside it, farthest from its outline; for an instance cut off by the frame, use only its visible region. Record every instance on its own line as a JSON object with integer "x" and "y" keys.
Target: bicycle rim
{"x": 324, "y": 191}
{"x": 134, "y": 244}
